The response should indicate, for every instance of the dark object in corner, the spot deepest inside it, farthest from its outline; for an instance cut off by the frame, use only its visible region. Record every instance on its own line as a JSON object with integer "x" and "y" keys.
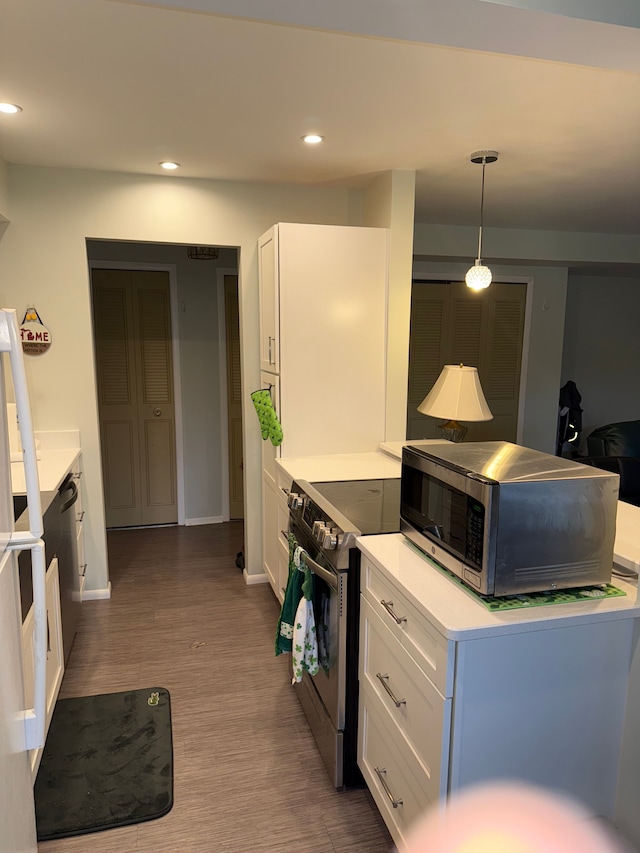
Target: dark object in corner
{"x": 107, "y": 762}
{"x": 627, "y": 467}
{"x": 569, "y": 417}
{"x": 616, "y": 447}
{"x": 240, "y": 560}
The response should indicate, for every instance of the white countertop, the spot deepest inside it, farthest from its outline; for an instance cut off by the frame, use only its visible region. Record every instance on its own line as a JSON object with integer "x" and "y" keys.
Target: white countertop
{"x": 56, "y": 454}
{"x": 340, "y": 466}
{"x": 394, "y": 448}
{"x": 458, "y": 615}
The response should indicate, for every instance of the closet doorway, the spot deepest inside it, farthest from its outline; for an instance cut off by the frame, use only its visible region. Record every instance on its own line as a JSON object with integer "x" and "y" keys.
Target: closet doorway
{"x": 136, "y": 406}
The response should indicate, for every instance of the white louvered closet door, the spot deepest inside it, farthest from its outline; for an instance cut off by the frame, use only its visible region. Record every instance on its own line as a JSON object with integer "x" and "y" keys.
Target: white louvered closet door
{"x": 451, "y": 324}
{"x": 132, "y": 324}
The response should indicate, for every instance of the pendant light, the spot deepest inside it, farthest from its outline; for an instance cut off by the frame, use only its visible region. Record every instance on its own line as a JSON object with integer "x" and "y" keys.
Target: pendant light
{"x": 478, "y": 276}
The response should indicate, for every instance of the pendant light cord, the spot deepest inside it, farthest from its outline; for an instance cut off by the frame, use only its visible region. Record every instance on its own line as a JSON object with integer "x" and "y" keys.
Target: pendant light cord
{"x": 484, "y": 161}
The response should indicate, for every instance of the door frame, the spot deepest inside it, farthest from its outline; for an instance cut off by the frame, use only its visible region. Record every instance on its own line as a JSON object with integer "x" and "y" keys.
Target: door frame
{"x": 452, "y": 274}
{"x": 175, "y": 353}
{"x": 222, "y": 364}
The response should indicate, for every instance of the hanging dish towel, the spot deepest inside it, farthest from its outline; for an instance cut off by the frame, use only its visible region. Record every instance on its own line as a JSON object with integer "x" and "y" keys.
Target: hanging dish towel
{"x": 292, "y": 596}
{"x": 269, "y": 423}
{"x": 304, "y": 655}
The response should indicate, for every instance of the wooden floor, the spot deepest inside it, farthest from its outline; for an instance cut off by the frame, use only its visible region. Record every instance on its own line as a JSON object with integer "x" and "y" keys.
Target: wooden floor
{"x": 247, "y": 775}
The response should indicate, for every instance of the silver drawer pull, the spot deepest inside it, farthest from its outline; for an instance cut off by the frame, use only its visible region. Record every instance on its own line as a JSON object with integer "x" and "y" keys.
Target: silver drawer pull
{"x": 383, "y": 680}
{"x": 388, "y": 606}
{"x": 381, "y": 771}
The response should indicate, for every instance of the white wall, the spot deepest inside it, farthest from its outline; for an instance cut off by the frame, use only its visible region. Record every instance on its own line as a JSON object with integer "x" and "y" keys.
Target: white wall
{"x": 198, "y": 324}
{"x": 602, "y": 347}
{"x": 4, "y": 196}
{"x": 43, "y": 260}
{"x": 389, "y": 202}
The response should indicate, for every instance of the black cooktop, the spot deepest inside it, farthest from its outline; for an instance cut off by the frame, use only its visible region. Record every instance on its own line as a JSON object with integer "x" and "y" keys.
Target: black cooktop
{"x": 373, "y": 506}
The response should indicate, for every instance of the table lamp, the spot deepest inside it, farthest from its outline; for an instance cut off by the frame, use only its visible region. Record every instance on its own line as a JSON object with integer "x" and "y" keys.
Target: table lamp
{"x": 456, "y": 395}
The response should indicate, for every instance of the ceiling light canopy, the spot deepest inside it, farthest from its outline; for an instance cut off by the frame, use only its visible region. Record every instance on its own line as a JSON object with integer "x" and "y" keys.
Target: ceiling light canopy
{"x": 479, "y": 276}
{"x": 10, "y": 109}
{"x": 170, "y": 165}
{"x": 312, "y": 138}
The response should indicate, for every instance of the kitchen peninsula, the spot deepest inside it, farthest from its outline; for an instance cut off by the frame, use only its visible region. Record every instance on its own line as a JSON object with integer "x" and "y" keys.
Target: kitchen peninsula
{"x": 452, "y": 693}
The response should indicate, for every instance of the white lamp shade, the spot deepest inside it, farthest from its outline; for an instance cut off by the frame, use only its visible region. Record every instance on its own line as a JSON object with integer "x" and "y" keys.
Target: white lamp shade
{"x": 457, "y": 396}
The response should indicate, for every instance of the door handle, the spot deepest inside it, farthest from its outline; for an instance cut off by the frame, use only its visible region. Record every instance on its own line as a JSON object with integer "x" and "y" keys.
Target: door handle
{"x": 157, "y": 412}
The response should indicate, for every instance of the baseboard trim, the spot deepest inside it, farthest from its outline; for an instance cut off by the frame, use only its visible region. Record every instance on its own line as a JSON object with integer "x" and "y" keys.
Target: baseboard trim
{"x": 194, "y": 522}
{"x": 96, "y": 594}
{"x": 250, "y": 580}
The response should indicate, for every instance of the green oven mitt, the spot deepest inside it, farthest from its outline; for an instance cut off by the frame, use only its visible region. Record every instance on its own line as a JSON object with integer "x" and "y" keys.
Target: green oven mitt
{"x": 269, "y": 423}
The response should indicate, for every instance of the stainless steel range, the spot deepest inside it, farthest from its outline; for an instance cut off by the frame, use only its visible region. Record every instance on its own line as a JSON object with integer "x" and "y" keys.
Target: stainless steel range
{"x": 325, "y": 519}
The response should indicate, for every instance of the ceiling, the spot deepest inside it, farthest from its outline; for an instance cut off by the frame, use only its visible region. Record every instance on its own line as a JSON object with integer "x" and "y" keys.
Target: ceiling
{"x": 120, "y": 86}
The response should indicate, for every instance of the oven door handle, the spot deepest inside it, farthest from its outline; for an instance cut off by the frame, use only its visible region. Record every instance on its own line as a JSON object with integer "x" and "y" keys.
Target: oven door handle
{"x": 327, "y": 576}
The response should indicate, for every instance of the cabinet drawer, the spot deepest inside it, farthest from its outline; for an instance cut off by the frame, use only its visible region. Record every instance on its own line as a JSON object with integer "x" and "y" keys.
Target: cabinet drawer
{"x": 411, "y": 628}
{"x": 421, "y": 713}
{"x": 382, "y": 754}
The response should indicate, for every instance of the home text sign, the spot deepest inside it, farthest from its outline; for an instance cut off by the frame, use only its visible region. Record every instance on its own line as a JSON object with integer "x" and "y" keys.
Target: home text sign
{"x": 35, "y": 336}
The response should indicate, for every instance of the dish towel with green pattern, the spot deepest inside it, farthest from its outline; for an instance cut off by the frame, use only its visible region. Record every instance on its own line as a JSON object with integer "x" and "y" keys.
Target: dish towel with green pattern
{"x": 304, "y": 655}
{"x": 269, "y": 424}
{"x": 292, "y": 595}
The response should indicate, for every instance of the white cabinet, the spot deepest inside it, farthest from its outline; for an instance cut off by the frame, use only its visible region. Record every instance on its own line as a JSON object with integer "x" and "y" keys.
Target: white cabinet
{"x": 275, "y": 519}
{"x": 269, "y": 300}
{"x": 55, "y": 663}
{"x": 323, "y": 332}
{"x": 452, "y": 694}
{"x": 322, "y": 351}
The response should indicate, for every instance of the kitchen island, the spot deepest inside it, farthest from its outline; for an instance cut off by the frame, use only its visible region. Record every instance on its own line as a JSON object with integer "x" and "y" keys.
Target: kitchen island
{"x": 453, "y": 694}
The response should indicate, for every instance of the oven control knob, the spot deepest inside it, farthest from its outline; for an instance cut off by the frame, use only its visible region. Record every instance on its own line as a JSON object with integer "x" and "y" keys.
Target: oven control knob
{"x": 321, "y": 531}
{"x": 329, "y": 540}
{"x": 295, "y": 501}
{"x": 317, "y": 526}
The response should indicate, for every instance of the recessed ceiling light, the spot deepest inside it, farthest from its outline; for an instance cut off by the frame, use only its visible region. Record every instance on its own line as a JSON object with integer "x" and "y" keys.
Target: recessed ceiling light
{"x": 169, "y": 164}
{"x": 10, "y": 108}
{"x": 312, "y": 138}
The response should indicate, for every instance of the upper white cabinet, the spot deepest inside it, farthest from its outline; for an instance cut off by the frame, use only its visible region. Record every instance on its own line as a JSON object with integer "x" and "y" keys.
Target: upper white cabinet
{"x": 323, "y": 333}
{"x": 269, "y": 303}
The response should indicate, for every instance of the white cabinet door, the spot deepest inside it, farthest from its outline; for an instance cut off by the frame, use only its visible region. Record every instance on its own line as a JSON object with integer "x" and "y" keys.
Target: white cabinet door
{"x": 18, "y": 823}
{"x": 55, "y": 660}
{"x": 270, "y": 533}
{"x": 269, "y": 301}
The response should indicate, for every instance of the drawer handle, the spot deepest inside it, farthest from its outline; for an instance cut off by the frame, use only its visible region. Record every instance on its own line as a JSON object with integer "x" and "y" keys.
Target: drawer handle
{"x": 381, "y": 771}
{"x": 383, "y": 680}
{"x": 388, "y": 606}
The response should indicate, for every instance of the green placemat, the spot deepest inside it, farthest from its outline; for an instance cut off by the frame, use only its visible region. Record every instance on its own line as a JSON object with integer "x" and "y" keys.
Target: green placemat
{"x": 530, "y": 599}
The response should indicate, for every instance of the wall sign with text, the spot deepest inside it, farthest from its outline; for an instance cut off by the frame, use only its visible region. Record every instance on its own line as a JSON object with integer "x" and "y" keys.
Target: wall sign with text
{"x": 36, "y": 338}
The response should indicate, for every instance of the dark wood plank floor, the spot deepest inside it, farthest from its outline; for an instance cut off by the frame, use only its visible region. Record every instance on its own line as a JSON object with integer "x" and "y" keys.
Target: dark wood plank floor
{"x": 248, "y": 776}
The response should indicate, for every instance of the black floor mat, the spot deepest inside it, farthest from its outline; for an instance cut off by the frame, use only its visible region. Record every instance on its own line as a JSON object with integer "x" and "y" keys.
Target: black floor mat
{"x": 107, "y": 762}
